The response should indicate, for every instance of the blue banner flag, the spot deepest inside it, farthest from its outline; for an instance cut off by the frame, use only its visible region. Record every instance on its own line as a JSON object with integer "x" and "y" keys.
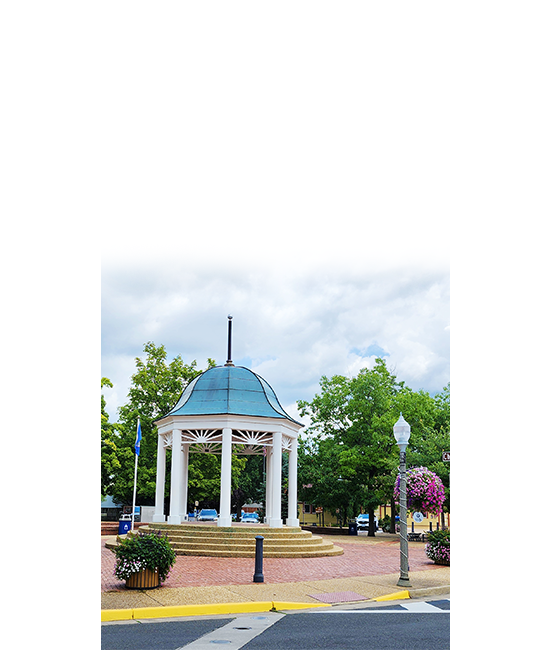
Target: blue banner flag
{"x": 138, "y": 439}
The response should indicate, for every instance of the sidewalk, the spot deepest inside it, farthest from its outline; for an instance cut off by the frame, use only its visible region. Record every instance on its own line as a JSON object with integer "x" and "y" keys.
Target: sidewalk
{"x": 367, "y": 570}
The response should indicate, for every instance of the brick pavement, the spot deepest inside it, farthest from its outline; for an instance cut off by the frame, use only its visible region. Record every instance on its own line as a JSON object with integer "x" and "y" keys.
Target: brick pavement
{"x": 362, "y": 557}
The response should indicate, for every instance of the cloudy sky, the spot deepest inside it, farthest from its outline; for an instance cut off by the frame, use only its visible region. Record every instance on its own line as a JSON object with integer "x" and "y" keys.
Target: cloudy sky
{"x": 294, "y": 183}
{"x": 305, "y": 166}
{"x": 289, "y": 328}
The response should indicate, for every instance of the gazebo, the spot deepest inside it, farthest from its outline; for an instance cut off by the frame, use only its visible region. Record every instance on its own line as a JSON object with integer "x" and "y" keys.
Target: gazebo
{"x": 227, "y": 408}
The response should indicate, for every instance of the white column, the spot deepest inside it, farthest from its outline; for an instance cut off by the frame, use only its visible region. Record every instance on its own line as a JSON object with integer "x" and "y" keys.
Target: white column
{"x": 276, "y": 468}
{"x": 175, "y": 480}
{"x": 184, "y": 481}
{"x": 161, "y": 478}
{"x": 225, "y": 489}
{"x": 292, "y": 519}
{"x": 268, "y": 486}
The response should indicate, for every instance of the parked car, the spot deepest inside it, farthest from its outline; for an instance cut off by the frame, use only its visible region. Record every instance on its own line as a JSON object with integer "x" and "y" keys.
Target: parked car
{"x": 363, "y": 522}
{"x": 207, "y": 515}
{"x": 250, "y": 518}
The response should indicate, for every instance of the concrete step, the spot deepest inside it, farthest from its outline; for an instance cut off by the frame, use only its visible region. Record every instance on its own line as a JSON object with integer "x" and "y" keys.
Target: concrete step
{"x": 214, "y": 545}
{"x": 206, "y": 531}
{"x": 213, "y": 550}
{"x": 211, "y": 541}
{"x": 237, "y": 539}
{"x": 243, "y": 542}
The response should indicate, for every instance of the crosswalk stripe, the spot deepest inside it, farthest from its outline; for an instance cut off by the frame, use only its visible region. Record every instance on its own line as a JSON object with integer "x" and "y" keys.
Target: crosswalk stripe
{"x": 421, "y": 607}
{"x": 238, "y": 632}
{"x": 418, "y": 607}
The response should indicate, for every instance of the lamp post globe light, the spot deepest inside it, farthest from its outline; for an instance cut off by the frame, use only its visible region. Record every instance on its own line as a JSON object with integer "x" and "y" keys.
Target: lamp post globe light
{"x": 402, "y": 433}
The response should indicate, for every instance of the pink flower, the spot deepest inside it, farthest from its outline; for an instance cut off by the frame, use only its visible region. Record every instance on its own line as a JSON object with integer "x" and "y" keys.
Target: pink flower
{"x": 425, "y": 490}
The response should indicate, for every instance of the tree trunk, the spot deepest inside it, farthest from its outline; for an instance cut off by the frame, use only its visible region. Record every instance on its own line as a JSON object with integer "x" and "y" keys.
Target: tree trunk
{"x": 238, "y": 498}
{"x": 371, "y": 522}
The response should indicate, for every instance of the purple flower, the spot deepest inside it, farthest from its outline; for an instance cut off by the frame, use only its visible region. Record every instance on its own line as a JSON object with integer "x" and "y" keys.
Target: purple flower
{"x": 425, "y": 490}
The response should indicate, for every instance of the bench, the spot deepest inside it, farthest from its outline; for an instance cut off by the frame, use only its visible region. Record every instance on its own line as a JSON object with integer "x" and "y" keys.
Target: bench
{"x": 415, "y": 537}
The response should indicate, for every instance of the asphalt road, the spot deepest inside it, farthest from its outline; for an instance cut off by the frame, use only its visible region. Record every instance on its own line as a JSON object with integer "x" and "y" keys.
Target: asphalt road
{"x": 157, "y": 634}
{"x": 410, "y": 626}
{"x": 395, "y": 631}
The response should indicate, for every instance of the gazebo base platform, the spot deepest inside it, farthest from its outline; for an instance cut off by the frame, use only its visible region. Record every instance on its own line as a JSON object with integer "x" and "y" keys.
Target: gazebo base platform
{"x": 240, "y": 540}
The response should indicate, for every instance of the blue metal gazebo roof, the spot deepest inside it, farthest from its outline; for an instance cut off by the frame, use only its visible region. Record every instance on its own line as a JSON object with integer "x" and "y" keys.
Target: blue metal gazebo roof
{"x": 231, "y": 390}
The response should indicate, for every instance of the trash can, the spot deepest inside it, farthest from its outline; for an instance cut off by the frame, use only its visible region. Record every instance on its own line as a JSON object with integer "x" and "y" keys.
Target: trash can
{"x": 352, "y": 528}
{"x": 124, "y": 524}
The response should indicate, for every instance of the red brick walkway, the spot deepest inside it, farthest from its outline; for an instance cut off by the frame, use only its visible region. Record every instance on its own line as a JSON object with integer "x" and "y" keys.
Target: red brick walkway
{"x": 359, "y": 559}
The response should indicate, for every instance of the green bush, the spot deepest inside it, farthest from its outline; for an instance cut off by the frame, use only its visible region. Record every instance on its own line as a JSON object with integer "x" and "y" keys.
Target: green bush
{"x": 438, "y": 547}
{"x": 144, "y": 551}
{"x": 385, "y": 523}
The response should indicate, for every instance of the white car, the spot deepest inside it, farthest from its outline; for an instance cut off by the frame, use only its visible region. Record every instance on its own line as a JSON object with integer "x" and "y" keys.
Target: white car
{"x": 363, "y": 522}
{"x": 207, "y": 515}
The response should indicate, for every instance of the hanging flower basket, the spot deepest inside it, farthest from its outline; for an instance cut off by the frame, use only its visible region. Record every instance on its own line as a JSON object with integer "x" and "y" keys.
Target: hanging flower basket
{"x": 425, "y": 491}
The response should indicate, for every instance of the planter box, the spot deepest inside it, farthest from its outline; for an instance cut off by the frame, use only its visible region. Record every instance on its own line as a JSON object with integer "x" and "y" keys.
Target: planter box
{"x": 145, "y": 579}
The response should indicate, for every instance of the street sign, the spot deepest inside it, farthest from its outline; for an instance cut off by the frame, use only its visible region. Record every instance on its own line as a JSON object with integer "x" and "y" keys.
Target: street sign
{"x": 447, "y": 456}
{"x": 417, "y": 517}
{"x": 318, "y": 510}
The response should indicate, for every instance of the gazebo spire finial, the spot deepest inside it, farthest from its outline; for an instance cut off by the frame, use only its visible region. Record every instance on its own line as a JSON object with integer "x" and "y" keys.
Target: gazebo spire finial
{"x": 229, "y": 324}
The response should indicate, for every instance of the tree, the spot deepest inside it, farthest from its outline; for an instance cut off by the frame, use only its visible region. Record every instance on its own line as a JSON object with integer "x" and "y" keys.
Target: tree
{"x": 250, "y": 484}
{"x": 322, "y": 479}
{"x": 430, "y": 420}
{"x": 350, "y": 453}
{"x": 109, "y": 461}
{"x": 204, "y": 478}
{"x": 358, "y": 415}
{"x": 155, "y": 387}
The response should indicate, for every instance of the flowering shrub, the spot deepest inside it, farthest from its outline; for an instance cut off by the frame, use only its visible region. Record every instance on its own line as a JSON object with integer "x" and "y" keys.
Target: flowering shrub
{"x": 124, "y": 568}
{"x": 144, "y": 551}
{"x": 438, "y": 547}
{"x": 425, "y": 491}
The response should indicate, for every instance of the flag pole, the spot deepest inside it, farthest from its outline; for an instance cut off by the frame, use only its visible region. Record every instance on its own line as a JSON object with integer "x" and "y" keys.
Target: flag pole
{"x": 137, "y": 450}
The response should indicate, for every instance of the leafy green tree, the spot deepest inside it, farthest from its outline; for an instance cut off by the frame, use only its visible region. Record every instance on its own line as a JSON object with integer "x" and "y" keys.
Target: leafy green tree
{"x": 322, "y": 479}
{"x": 430, "y": 420}
{"x": 352, "y": 445}
{"x": 156, "y": 386}
{"x": 204, "y": 478}
{"x": 250, "y": 484}
{"x": 358, "y": 414}
{"x": 109, "y": 461}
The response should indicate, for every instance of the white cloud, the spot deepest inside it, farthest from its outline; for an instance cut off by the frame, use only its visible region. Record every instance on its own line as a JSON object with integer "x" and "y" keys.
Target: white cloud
{"x": 290, "y": 330}
{"x": 309, "y": 206}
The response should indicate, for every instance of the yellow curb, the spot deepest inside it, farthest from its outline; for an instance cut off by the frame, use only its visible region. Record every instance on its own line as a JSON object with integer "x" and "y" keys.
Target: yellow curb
{"x": 200, "y": 610}
{"x": 116, "y": 615}
{"x": 398, "y": 595}
{"x": 279, "y": 605}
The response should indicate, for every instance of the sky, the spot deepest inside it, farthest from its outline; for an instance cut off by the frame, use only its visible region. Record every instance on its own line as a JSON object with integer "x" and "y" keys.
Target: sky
{"x": 317, "y": 170}
{"x": 289, "y": 328}
{"x": 291, "y": 176}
